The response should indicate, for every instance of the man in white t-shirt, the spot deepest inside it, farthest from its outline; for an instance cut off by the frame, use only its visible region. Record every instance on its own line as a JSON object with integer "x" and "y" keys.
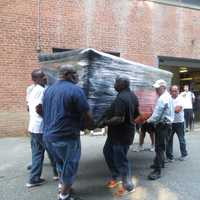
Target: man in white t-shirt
{"x": 177, "y": 125}
{"x": 34, "y": 98}
{"x": 188, "y": 99}
{"x": 28, "y": 92}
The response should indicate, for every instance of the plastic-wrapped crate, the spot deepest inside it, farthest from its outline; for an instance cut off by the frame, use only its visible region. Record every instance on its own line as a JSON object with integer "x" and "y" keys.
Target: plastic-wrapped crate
{"x": 97, "y": 74}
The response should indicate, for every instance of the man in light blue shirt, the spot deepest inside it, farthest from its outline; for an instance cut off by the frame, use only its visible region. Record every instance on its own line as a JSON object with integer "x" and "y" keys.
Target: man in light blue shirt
{"x": 162, "y": 117}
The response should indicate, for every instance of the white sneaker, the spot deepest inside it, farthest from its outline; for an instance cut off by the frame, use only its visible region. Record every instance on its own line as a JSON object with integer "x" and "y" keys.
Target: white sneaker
{"x": 167, "y": 160}
{"x": 182, "y": 158}
{"x": 140, "y": 148}
{"x": 59, "y": 187}
{"x": 55, "y": 178}
{"x": 187, "y": 130}
{"x": 152, "y": 149}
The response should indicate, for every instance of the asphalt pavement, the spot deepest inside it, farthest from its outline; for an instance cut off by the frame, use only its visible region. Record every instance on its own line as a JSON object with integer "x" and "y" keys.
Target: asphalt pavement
{"x": 180, "y": 180}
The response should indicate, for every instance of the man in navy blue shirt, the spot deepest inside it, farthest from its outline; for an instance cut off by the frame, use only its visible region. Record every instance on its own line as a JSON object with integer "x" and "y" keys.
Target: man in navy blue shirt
{"x": 65, "y": 108}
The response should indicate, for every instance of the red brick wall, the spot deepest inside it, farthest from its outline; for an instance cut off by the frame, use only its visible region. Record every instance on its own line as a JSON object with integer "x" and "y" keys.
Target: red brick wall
{"x": 139, "y": 30}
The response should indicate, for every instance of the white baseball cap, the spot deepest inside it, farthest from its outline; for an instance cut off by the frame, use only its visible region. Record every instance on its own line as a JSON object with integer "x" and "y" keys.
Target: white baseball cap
{"x": 160, "y": 83}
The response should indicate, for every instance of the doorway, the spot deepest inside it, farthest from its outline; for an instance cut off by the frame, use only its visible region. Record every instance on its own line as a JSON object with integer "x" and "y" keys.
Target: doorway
{"x": 185, "y": 72}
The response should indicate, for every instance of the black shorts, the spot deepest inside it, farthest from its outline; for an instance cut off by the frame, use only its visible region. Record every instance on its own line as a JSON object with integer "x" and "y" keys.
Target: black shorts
{"x": 147, "y": 127}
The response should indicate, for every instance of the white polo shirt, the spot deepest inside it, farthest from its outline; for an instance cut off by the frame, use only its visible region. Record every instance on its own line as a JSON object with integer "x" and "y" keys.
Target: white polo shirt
{"x": 35, "y": 97}
{"x": 178, "y": 117}
{"x": 187, "y": 99}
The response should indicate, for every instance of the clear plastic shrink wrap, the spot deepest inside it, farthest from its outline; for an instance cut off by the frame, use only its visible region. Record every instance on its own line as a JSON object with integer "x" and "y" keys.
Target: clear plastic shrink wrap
{"x": 97, "y": 73}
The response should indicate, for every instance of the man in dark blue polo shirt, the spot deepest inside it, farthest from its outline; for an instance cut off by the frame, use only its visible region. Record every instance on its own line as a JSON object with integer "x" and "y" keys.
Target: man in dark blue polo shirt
{"x": 65, "y": 108}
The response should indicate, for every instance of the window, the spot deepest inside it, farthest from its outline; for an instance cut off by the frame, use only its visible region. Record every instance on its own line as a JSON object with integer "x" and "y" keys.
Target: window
{"x": 185, "y": 3}
{"x": 56, "y": 50}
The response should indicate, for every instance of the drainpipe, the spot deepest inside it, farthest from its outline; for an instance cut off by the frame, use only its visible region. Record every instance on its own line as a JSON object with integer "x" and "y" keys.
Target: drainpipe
{"x": 38, "y": 40}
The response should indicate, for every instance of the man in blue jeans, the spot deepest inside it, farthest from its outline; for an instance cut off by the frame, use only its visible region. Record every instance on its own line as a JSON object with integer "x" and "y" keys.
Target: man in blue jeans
{"x": 36, "y": 121}
{"x": 65, "y": 108}
{"x": 120, "y": 121}
{"x": 177, "y": 126}
{"x": 35, "y": 128}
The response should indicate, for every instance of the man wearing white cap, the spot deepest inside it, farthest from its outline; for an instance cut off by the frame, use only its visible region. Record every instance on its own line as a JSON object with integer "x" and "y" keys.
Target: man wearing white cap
{"x": 162, "y": 117}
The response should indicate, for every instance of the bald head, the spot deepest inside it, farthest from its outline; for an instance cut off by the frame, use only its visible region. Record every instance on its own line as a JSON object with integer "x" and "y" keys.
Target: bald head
{"x": 174, "y": 90}
{"x": 69, "y": 73}
{"x": 122, "y": 83}
{"x": 37, "y": 73}
{"x": 38, "y": 76}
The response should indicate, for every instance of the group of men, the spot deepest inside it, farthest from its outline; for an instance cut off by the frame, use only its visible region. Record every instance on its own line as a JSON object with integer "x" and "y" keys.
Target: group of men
{"x": 186, "y": 99}
{"x": 58, "y": 113}
{"x": 168, "y": 119}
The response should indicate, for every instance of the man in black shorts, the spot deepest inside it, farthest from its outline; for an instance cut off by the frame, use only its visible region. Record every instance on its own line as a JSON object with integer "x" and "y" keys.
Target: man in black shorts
{"x": 149, "y": 128}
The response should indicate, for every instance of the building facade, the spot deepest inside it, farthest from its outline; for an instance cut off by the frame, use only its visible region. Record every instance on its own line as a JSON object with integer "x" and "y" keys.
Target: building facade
{"x": 139, "y": 30}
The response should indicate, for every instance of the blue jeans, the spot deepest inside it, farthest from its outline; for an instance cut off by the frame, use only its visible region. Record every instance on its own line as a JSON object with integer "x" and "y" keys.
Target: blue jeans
{"x": 116, "y": 159}
{"x": 67, "y": 155}
{"x": 37, "y": 147}
{"x": 177, "y": 128}
{"x": 51, "y": 158}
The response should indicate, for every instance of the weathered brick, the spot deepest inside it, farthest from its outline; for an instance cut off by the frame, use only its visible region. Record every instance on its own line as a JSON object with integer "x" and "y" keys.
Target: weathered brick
{"x": 139, "y": 30}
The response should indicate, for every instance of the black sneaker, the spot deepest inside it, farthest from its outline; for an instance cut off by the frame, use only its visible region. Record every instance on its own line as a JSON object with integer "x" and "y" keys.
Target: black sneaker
{"x": 29, "y": 167}
{"x": 70, "y": 198}
{"x": 156, "y": 174}
{"x": 36, "y": 183}
{"x": 153, "y": 166}
{"x": 128, "y": 183}
{"x": 123, "y": 192}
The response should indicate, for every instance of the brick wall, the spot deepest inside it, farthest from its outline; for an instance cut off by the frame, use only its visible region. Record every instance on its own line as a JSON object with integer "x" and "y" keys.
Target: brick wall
{"x": 139, "y": 30}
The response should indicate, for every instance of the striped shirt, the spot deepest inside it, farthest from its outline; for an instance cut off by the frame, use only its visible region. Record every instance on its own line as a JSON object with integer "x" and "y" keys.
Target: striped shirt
{"x": 178, "y": 117}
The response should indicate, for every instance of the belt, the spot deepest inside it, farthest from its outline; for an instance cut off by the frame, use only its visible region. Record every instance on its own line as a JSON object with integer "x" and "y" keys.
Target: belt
{"x": 165, "y": 123}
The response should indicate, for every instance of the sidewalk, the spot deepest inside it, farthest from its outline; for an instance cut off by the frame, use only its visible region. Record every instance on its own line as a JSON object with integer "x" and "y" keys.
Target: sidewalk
{"x": 180, "y": 181}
